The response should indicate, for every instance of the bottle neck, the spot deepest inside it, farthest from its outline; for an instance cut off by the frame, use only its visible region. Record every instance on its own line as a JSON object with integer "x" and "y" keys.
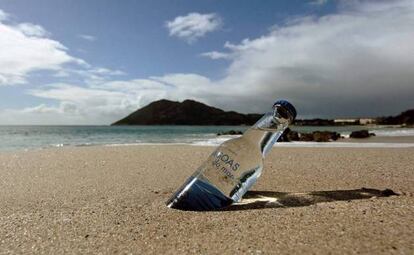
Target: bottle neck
{"x": 266, "y": 132}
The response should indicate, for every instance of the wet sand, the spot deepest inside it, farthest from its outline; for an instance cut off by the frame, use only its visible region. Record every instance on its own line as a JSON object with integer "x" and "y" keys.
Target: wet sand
{"x": 381, "y": 139}
{"x": 111, "y": 200}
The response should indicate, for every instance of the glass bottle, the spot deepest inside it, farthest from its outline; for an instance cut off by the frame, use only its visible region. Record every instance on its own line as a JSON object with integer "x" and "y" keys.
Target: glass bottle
{"x": 230, "y": 171}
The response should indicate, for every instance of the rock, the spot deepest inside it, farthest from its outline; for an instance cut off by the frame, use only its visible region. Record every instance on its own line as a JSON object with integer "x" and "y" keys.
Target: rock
{"x": 293, "y": 136}
{"x": 305, "y": 137}
{"x": 361, "y": 134}
{"x": 230, "y": 132}
{"x": 318, "y": 136}
{"x": 289, "y": 135}
{"x": 325, "y": 136}
{"x": 314, "y": 122}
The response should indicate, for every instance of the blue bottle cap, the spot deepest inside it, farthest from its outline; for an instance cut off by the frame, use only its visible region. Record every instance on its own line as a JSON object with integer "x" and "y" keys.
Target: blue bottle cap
{"x": 288, "y": 106}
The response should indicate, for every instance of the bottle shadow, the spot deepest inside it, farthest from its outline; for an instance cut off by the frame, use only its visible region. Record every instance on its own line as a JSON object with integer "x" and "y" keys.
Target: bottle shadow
{"x": 271, "y": 199}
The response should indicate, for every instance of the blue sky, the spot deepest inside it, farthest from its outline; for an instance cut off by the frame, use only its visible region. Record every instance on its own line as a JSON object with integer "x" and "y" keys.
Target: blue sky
{"x": 92, "y": 62}
{"x": 131, "y": 35}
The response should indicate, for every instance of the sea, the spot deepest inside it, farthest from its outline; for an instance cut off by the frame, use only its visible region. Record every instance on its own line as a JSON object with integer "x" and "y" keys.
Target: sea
{"x": 15, "y": 138}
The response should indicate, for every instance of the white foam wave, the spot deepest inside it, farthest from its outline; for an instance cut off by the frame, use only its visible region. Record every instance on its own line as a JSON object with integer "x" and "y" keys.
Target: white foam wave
{"x": 141, "y": 144}
{"x": 289, "y": 144}
{"x": 394, "y": 132}
{"x": 219, "y": 140}
{"x": 345, "y": 145}
{"x": 214, "y": 141}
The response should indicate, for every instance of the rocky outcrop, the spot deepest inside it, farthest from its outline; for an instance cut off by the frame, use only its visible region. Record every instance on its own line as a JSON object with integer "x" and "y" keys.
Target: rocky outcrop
{"x": 317, "y": 136}
{"x": 361, "y": 134}
{"x": 404, "y": 118}
{"x": 325, "y": 136}
{"x": 230, "y": 132}
{"x": 188, "y": 112}
{"x": 314, "y": 122}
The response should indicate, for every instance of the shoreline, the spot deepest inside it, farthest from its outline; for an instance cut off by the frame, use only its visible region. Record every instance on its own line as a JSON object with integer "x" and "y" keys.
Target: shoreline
{"x": 371, "y": 142}
{"x": 33, "y": 137}
{"x": 102, "y": 199}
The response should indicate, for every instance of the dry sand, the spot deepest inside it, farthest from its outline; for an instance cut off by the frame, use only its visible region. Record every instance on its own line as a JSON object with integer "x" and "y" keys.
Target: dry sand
{"x": 111, "y": 200}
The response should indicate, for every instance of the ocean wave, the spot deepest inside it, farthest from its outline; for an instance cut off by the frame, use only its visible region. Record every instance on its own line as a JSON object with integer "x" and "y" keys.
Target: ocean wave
{"x": 58, "y": 145}
{"x": 214, "y": 141}
{"x": 289, "y": 144}
{"x": 387, "y": 132}
{"x": 218, "y": 141}
{"x": 394, "y": 132}
{"x": 141, "y": 144}
{"x": 345, "y": 145}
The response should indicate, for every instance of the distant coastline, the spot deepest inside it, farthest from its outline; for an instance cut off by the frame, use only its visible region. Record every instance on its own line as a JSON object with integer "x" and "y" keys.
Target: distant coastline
{"x": 191, "y": 112}
{"x": 194, "y": 123}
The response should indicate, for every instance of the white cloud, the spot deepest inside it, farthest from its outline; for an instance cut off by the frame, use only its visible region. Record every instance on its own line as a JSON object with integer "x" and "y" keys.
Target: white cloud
{"x": 63, "y": 108}
{"x": 90, "y": 38}
{"x": 106, "y": 71}
{"x": 91, "y": 75}
{"x": 193, "y": 26}
{"x": 132, "y": 86}
{"x": 43, "y": 114}
{"x": 319, "y": 2}
{"x": 97, "y": 104}
{"x": 3, "y": 15}
{"x": 28, "y": 50}
{"x": 216, "y": 55}
{"x": 103, "y": 103}
{"x": 356, "y": 62}
{"x": 30, "y": 29}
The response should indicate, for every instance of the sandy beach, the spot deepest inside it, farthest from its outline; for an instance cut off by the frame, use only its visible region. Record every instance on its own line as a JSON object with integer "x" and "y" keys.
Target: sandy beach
{"x": 106, "y": 200}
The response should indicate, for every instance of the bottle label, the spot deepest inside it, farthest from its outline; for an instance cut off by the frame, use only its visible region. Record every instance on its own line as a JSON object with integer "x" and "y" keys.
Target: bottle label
{"x": 225, "y": 164}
